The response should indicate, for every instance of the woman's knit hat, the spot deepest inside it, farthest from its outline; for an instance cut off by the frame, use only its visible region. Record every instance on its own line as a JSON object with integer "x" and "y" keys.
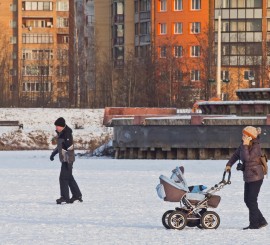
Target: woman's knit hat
{"x": 251, "y": 132}
{"x": 60, "y": 122}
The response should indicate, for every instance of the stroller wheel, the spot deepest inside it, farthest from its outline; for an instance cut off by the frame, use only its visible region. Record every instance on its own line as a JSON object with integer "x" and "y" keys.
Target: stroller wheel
{"x": 210, "y": 220}
{"x": 177, "y": 220}
{"x": 165, "y": 217}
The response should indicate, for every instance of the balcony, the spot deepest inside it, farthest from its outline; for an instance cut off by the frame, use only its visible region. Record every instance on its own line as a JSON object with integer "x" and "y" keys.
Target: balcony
{"x": 144, "y": 15}
{"x": 37, "y": 22}
{"x": 119, "y": 18}
{"x": 145, "y": 38}
{"x": 119, "y": 63}
{"x": 118, "y": 41}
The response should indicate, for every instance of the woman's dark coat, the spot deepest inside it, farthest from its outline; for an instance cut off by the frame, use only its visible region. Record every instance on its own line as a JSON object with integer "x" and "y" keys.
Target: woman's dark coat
{"x": 250, "y": 157}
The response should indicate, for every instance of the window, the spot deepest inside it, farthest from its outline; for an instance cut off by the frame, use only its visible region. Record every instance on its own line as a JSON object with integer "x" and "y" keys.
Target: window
{"x": 37, "y": 71}
{"x": 13, "y": 23}
{"x": 249, "y": 75}
{"x": 163, "y": 28}
{"x": 62, "y": 70}
{"x": 178, "y": 76}
{"x": 13, "y": 40}
{"x": 225, "y": 26}
{"x": 233, "y": 4}
{"x": 225, "y": 75}
{"x": 254, "y": 49}
{"x": 37, "y": 54}
{"x": 254, "y": 4}
{"x": 13, "y": 7}
{"x": 29, "y": 86}
{"x": 222, "y": 4}
{"x": 62, "y": 54}
{"x": 62, "y": 22}
{"x": 195, "y": 51}
{"x": 62, "y": 6}
{"x": 163, "y": 5}
{"x": 37, "y": 38}
{"x": 145, "y": 28}
{"x": 178, "y": 51}
{"x": 163, "y": 52}
{"x": 178, "y": 5}
{"x": 254, "y": 25}
{"x": 37, "y": 6}
{"x": 145, "y": 5}
{"x": 14, "y": 55}
{"x": 90, "y": 19}
{"x": 225, "y": 49}
{"x": 195, "y": 4}
{"x": 196, "y": 27}
{"x": 12, "y": 72}
{"x": 241, "y": 3}
{"x": 233, "y": 26}
{"x": 36, "y": 23}
{"x": 178, "y": 28}
{"x": 195, "y": 75}
{"x": 136, "y": 6}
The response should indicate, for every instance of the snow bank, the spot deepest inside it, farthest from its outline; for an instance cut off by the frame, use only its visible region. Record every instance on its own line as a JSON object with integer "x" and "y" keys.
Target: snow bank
{"x": 38, "y": 128}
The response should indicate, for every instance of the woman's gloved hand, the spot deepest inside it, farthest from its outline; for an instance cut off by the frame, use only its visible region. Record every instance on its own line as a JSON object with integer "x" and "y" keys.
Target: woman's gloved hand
{"x": 246, "y": 139}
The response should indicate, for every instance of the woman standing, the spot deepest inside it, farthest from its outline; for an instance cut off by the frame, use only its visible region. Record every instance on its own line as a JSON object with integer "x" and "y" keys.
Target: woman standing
{"x": 249, "y": 152}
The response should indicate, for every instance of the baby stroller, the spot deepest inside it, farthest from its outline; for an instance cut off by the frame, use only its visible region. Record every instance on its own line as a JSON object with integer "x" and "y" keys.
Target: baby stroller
{"x": 193, "y": 204}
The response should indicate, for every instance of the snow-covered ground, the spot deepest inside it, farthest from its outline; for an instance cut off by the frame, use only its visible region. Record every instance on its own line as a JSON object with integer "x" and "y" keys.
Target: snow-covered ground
{"x": 120, "y": 203}
{"x": 38, "y": 128}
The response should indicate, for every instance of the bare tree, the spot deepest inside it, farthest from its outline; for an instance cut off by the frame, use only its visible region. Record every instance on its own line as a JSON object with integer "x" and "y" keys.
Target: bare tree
{"x": 7, "y": 88}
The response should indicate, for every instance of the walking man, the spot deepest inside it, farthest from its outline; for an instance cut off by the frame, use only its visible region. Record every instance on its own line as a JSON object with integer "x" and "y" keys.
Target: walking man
{"x": 65, "y": 149}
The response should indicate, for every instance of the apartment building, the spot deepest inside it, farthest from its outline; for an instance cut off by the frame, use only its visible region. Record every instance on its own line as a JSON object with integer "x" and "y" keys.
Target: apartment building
{"x": 245, "y": 39}
{"x": 143, "y": 29}
{"x": 180, "y": 43}
{"x": 38, "y": 34}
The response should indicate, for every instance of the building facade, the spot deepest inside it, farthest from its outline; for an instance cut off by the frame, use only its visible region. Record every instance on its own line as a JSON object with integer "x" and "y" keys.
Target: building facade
{"x": 180, "y": 44}
{"x": 38, "y": 40}
{"x": 244, "y": 41}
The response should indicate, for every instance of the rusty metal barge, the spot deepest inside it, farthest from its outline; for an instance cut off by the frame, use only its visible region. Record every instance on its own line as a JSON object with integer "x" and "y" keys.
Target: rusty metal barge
{"x": 215, "y": 133}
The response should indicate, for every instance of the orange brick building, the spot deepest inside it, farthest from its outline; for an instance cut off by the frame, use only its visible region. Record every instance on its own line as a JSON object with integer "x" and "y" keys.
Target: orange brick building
{"x": 180, "y": 40}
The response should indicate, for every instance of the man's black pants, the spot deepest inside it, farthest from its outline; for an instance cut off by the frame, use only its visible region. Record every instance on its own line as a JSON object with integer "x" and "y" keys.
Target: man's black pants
{"x": 67, "y": 181}
{"x": 251, "y": 193}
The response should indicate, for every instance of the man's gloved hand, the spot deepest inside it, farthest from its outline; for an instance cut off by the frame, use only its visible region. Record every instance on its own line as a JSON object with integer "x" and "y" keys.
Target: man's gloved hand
{"x": 228, "y": 168}
{"x": 52, "y": 157}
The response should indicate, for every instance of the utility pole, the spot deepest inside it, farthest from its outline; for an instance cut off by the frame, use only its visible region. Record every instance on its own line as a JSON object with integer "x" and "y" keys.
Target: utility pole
{"x": 219, "y": 57}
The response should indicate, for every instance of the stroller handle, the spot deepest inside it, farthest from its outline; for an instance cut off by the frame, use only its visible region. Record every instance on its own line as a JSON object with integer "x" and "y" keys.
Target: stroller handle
{"x": 228, "y": 181}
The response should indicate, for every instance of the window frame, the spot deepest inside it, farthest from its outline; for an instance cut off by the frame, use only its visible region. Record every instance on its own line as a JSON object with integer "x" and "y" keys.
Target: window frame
{"x": 196, "y": 5}
{"x": 195, "y": 75}
{"x": 195, "y": 27}
{"x": 178, "y": 5}
{"x": 162, "y": 28}
{"x": 163, "y": 5}
{"x": 195, "y": 51}
{"x": 178, "y": 25}
{"x": 163, "y": 52}
{"x": 178, "y": 49}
